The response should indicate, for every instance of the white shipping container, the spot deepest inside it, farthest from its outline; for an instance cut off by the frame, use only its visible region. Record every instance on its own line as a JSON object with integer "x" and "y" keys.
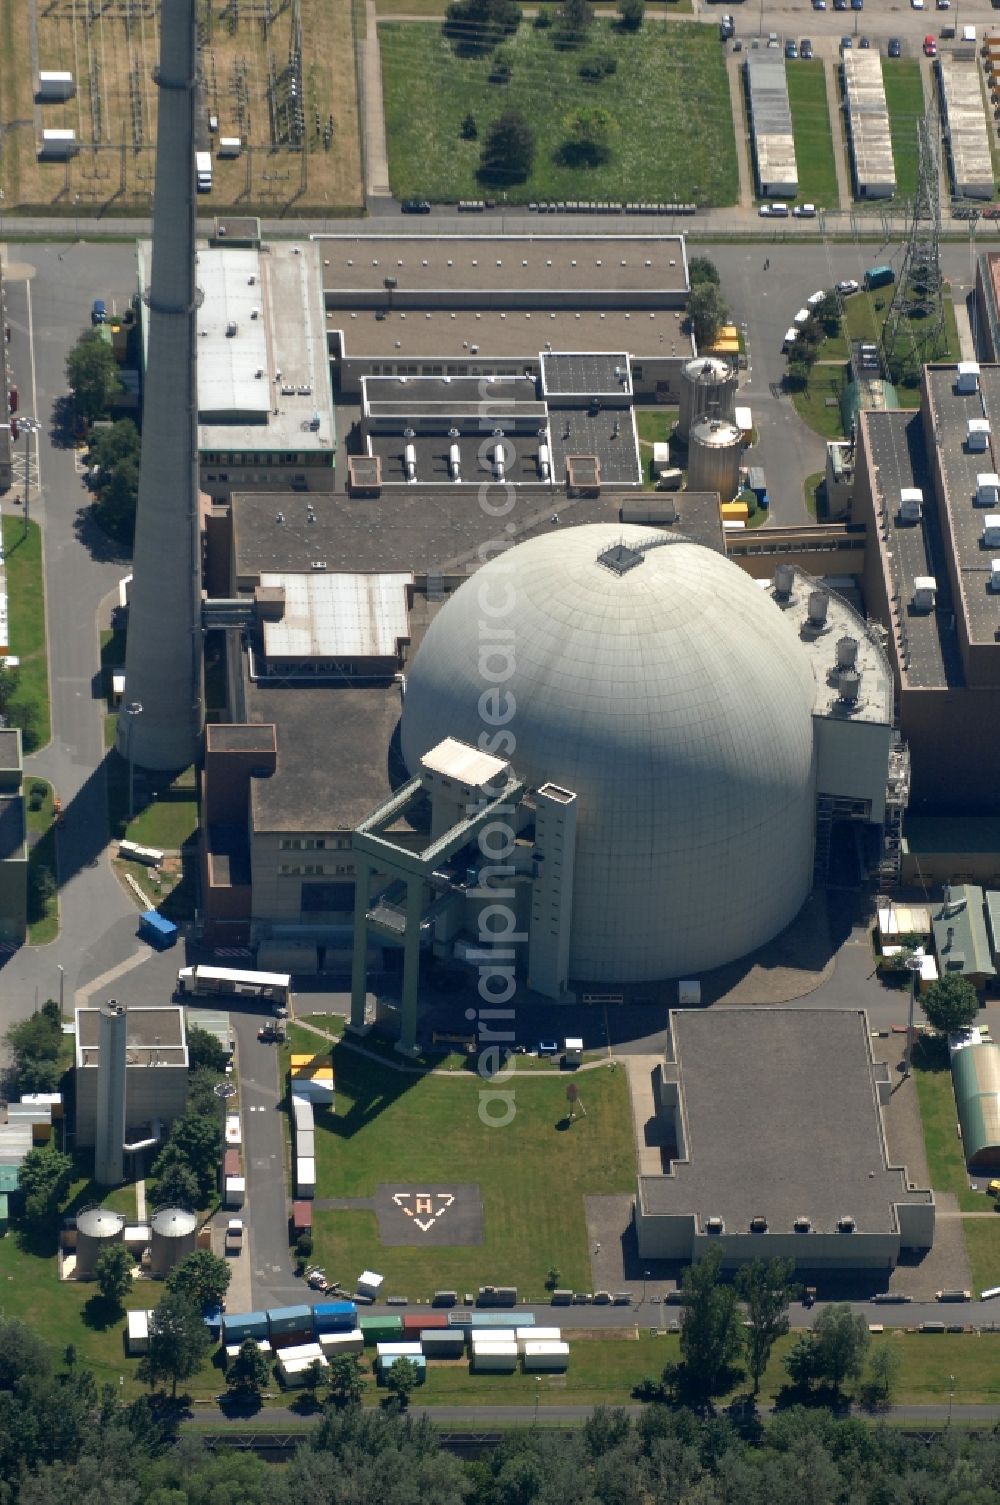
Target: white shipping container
{"x": 294, "y": 1371}
{"x": 397, "y": 1350}
{"x": 232, "y": 1349}
{"x": 315, "y": 1089}
{"x": 59, "y": 144}
{"x": 137, "y": 1339}
{"x": 54, "y": 86}
{"x": 305, "y": 1178}
{"x": 230, "y": 146}
{"x": 301, "y": 1351}
{"x": 234, "y": 1134}
{"x": 305, "y": 1144}
{"x": 551, "y": 1356}
{"x": 333, "y": 1344}
{"x": 538, "y": 1335}
{"x": 500, "y": 1360}
{"x": 302, "y": 1112}
{"x": 480, "y": 1335}
{"x": 236, "y": 1190}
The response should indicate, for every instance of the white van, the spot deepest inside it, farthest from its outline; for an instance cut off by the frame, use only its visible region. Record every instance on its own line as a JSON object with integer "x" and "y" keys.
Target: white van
{"x": 779, "y": 211}
{"x": 791, "y": 335}
{"x": 801, "y": 317}
{"x": 968, "y": 34}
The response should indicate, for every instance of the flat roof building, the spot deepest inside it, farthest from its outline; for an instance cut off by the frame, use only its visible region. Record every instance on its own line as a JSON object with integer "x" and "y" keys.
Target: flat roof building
{"x": 816, "y": 1184}
{"x": 156, "y": 1067}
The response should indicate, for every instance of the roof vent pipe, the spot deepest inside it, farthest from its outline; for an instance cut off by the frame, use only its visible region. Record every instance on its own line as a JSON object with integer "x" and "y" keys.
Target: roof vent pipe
{"x": 819, "y": 601}
{"x": 784, "y": 577}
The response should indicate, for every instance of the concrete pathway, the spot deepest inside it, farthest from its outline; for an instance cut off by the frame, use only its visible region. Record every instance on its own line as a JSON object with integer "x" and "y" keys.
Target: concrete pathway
{"x": 645, "y": 1120}
{"x": 743, "y": 162}
{"x": 376, "y": 157}
{"x": 966, "y": 339}
{"x": 839, "y": 146}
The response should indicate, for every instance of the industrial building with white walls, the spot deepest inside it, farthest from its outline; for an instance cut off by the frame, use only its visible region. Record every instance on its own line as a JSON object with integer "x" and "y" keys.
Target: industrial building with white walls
{"x": 130, "y": 1080}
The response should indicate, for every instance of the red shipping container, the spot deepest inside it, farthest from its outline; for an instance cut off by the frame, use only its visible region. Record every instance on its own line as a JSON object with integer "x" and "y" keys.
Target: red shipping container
{"x": 12, "y": 399}
{"x": 302, "y": 1216}
{"x": 292, "y": 1340}
{"x": 231, "y": 1163}
{"x": 414, "y": 1323}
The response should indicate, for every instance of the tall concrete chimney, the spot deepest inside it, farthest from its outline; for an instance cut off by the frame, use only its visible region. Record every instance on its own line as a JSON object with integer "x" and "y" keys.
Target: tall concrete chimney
{"x": 163, "y": 659}
{"x": 109, "y": 1156}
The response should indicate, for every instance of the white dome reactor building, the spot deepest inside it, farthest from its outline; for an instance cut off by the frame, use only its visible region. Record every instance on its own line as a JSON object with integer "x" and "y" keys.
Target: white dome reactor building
{"x": 656, "y": 681}
{"x": 627, "y": 755}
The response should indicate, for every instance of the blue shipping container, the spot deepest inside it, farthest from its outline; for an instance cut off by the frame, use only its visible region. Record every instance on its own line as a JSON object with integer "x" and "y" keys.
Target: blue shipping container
{"x": 240, "y": 1325}
{"x": 335, "y": 1316}
{"x": 155, "y": 929}
{"x": 417, "y": 1360}
{"x": 490, "y": 1319}
{"x": 289, "y": 1319}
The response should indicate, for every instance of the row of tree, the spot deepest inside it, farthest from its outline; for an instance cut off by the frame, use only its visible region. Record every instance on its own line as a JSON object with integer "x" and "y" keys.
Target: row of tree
{"x": 92, "y": 374}
{"x": 478, "y": 27}
{"x": 186, "y": 1170}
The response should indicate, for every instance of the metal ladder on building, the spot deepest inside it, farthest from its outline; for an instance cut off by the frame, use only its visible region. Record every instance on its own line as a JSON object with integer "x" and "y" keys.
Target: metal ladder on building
{"x": 824, "y": 831}
{"x": 897, "y": 797}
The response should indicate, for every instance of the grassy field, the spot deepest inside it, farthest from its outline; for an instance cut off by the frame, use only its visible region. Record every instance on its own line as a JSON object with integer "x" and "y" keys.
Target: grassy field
{"x": 653, "y": 426}
{"x": 904, "y": 96}
{"x": 669, "y": 98}
{"x": 26, "y": 607}
{"x": 826, "y": 380}
{"x": 939, "y": 1116}
{"x": 532, "y": 1174}
{"x": 271, "y": 174}
{"x": 813, "y": 135}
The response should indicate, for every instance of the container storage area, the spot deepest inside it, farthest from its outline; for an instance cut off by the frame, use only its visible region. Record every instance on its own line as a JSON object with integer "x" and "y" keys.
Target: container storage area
{"x": 305, "y": 1144}
{"x": 334, "y": 1344}
{"x": 305, "y": 1178}
{"x": 239, "y": 1325}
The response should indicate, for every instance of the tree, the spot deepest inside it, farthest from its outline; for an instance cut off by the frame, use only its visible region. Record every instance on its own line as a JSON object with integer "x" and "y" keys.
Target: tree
{"x": 502, "y": 66}
{"x": 116, "y": 501}
{"x": 553, "y": 1278}
{"x": 44, "y": 1181}
{"x": 401, "y": 1381}
{"x": 702, "y": 269}
{"x": 119, "y": 442}
{"x": 314, "y": 1377}
{"x": 508, "y": 151}
{"x": 178, "y": 1185}
{"x": 880, "y": 1379}
{"x": 470, "y": 129}
{"x": 23, "y": 1354}
{"x": 114, "y": 1274}
{"x": 345, "y": 1382}
{"x": 35, "y": 1039}
{"x": 574, "y": 19}
{"x": 711, "y": 1335}
{"x": 203, "y": 1278}
{"x": 950, "y": 1004}
{"x": 842, "y": 1341}
{"x": 588, "y": 136}
{"x": 178, "y": 1342}
{"x": 249, "y": 1372}
{"x": 475, "y": 27}
{"x": 765, "y": 1287}
{"x": 707, "y": 311}
{"x": 92, "y": 374}
{"x": 195, "y": 1142}
{"x": 204, "y": 1050}
{"x": 631, "y": 14}
{"x": 828, "y": 312}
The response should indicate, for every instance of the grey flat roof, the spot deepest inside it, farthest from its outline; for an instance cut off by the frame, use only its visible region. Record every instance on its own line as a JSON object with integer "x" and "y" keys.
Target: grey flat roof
{"x": 516, "y": 336}
{"x": 432, "y": 452}
{"x": 153, "y": 1036}
{"x": 930, "y": 645}
{"x": 232, "y": 738}
{"x": 12, "y": 832}
{"x": 952, "y": 411}
{"x": 421, "y": 529}
{"x": 428, "y": 396}
{"x": 782, "y": 1120}
{"x": 608, "y": 434}
{"x": 589, "y": 373}
{"x": 334, "y": 747}
{"x": 875, "y": 703}
{"x": 496, "y": 263}
{"x": 239, "y": 411}
{"x": 9, "y": 757}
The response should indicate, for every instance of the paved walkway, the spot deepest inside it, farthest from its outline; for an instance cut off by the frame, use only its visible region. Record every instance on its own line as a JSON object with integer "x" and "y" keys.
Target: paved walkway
{"x": 376, "y": 157}
{"x": 830, "y": 69}
{"x": 645, "y": 1119}
{"x": 734, "y": 72}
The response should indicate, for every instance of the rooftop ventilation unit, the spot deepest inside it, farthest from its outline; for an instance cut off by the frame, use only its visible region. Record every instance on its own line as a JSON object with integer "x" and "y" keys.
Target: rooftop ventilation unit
{"x": 911, "y": 503}
{"x": 925, "y": 587}
{"x": 968, "y": 376}
{"x": 846, "y": 1225}
{"x": 410, "y": 463}
{"x": 317, "y": 564}
{"x": 802, "y": 1225}
{"x": 231, "y": 329}
{"x": 715, "y": 1226}
{"x": 988, "y": 489}
{"x": 991, "y": 530}
{"x": 847, "y": 652}
{"x": 994, "y": 583}
{"x": 784, "y": 578}
{"x": 819, "y": 602}
{"x": 849, "y": 686}
{"x": 758, "y": 1224}
{"x": 255, "y": 313}
{"x": 454, "y": 462}
{"x": 978, "y": 435}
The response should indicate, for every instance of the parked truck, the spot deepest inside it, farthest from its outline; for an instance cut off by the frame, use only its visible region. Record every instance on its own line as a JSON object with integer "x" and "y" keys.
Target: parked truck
{"x": 203, "y": 171}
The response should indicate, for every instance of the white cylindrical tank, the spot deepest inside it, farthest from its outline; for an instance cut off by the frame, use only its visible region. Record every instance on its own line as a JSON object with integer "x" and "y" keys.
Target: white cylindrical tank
{"x": 410, "y": 462}
{"x": 500, "y": 460}
{"x": 455, "y": 463}
{"x": 174, "y": 1235}
{"x": 96, "y": 1228}
{"x": 544, "y": 462}
{"x": 714, "y": 450}
{"x": 847, "y": 652}
{"x": 708, "y": 389}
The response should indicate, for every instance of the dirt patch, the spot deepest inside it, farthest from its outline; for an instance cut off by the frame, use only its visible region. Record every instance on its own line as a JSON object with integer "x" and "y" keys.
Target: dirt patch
{"x": 278, "y": 74}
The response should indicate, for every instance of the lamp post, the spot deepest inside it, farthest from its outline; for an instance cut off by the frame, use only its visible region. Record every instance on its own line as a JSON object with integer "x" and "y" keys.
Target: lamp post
{"x": 30, "y": 426}
{"x": 645, "y": 1277}
{"x": 62, "y": 985}
{"x": 913, "y": 964}
{"x": 538, "y": 1395}
{"x": 132, "y": 710}
{"x": 951, "y": 1395}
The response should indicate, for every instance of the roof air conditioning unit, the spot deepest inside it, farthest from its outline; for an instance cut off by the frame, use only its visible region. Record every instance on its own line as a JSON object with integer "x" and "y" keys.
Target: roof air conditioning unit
{"x": 230, "y": 329}
{"x": 715, "y": 1225}
{"x": 846, "y": 1225}
{"x": 255, "y": 313}
{"x": 758, "y": 1224}
{"x": 317, "y": 564}
{"x": 802, "y": 1225}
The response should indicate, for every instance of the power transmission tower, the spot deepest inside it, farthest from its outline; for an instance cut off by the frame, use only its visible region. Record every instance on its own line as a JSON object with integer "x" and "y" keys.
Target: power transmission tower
{"x": 914, "y": 330}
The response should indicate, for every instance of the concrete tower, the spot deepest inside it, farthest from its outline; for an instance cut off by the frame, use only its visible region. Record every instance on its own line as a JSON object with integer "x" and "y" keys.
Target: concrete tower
{"x": 109, "y": 1157}
{"x": 163, "y": 662}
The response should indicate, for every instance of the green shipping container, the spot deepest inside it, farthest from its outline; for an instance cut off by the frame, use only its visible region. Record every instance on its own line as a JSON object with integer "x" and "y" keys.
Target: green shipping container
{"x": 380, "y": 1329}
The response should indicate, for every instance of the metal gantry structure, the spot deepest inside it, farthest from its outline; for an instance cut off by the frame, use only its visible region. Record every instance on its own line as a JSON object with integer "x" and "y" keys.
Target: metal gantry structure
{"x": 915, "y": 328}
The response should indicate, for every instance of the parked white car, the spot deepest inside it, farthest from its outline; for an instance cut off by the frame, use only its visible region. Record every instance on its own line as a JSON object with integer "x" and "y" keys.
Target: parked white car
{"x": 805, "y": 211}
{"x": 847, "y": 287}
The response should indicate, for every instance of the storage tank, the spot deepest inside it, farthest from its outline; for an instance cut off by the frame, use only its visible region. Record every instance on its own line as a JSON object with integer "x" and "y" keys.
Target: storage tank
{"x": 714, "y": 450}
{"x": 174, "y": 1235}
{"x": 96, "y": 1228}
{"x": 708, "y": 389}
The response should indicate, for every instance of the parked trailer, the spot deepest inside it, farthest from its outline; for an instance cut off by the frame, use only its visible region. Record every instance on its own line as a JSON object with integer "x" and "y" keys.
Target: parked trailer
{"x": 137, "y": 1336}
{"x": 54, "y": 87}
{"x": 335, "y": 1344}
{"x": 131, "y": 851}
{"x": 496, "y": 1358}
{"x": 227, "y": 982}
{"x": 203, "y": 171}
{"x": 159, "y": 932}
{"x": 539, "y": 1357}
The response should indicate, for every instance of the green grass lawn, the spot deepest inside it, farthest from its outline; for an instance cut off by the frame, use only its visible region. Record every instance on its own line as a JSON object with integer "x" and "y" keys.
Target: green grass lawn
{"x": 166, "y": 805}
{"x": 669, "y": 98}
{"x": 653, "y": 426}
{"x": 825, "y": 381}
{"x": 904, "y": 96}
{"x": 814, "y": 146}
{"x": 810, "y": 487}
{"x": 939, "y": 1116}
{"x": 532, "y": 1174}
{"x": 865, "y": 315}
{"x": 26, "y": 607}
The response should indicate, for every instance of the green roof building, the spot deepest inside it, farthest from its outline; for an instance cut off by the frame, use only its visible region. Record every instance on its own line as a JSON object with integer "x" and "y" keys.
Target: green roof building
{"x": 975, "y": 1072}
